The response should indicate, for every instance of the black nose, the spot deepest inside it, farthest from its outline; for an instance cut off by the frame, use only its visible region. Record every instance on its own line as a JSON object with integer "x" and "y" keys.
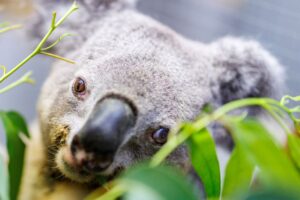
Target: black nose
{"x": 104, "y": 131}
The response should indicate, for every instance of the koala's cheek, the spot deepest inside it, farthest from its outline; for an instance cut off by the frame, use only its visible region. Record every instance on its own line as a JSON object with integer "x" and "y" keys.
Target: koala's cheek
{"x": 58, "y": 135}
{"x": 75, "y": 123}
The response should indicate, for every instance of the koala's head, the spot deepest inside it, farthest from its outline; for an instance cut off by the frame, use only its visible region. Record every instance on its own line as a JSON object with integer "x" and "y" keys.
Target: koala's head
{"x": 134, "y": 80}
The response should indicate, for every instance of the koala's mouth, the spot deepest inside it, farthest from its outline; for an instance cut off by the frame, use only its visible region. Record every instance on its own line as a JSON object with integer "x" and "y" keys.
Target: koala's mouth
{"x": 69, "y": 167}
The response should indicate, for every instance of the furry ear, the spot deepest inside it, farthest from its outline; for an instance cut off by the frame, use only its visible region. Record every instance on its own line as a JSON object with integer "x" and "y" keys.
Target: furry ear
{"x": 244, "y": 69}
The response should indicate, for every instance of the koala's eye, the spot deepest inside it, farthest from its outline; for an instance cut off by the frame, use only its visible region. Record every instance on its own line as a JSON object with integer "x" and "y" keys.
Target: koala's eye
{"x": 79, "y": 86}
{"x": 160, "y": 136}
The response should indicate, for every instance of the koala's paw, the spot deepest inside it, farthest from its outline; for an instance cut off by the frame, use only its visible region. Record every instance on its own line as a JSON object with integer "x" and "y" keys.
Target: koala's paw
{"x": 244, "y": 69}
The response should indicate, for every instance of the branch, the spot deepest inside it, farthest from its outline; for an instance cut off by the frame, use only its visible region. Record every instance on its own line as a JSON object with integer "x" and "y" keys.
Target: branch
{"x": 57, "y": 57}
{"x": 39, "y": 47}
{"x": 8, "y": 28}
{"x": 56, "y": 42}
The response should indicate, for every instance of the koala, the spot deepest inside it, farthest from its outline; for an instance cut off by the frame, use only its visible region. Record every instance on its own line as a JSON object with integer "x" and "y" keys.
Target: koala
{"x": 134, "y": 80}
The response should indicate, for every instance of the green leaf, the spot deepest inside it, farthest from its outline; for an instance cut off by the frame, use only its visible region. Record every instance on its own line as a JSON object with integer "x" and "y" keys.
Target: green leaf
{"x": 3, "y": 180}
{"x": 274, "y": 194}
{"x": 160, "y": 183}
{"x": 205, "y": 161}
{"x": 14, "y": 124}
{"x": 262, "y": 150}
{"x": 294, "y": 149}
{"x": 18, "y": 122}
{"x": 238, "y": 174}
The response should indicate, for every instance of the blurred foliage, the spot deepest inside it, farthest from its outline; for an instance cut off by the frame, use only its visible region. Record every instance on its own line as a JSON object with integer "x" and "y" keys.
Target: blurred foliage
{"x": 14, "y": 125}
{"x": 294, "y": 149}
{"x": 238, "y": 174}
{"x": 203, "y": 153}
{"x": 154, "y": 183}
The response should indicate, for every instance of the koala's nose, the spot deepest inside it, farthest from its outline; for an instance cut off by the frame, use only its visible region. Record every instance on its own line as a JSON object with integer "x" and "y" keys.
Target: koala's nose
{"x": 104, "y": 132}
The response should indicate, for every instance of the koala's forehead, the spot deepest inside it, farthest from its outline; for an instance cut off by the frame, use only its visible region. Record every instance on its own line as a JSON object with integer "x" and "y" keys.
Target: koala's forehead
{"x": 132, "y": 34}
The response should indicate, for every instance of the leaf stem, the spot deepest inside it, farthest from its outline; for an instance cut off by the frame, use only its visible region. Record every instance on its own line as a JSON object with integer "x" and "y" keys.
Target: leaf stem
{"x": 57, "y": 57}
{"x": 24, "y": 79}
{"x": 277, "y": 118}
{"x": 73, "y": 8}
{"x": 4, "y": 24}
{"x": 56, "y": 42}
{"x": 8, "y": 28}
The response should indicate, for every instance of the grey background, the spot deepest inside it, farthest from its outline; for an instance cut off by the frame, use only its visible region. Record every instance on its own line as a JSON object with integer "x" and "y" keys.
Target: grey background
{"x": 275, "y": 23}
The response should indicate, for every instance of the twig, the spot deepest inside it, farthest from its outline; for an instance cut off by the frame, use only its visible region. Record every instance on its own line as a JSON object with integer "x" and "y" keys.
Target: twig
{"x": 57, "y": 57}
{"x": 8, "y": 28}
{"x": 24, "y": 79}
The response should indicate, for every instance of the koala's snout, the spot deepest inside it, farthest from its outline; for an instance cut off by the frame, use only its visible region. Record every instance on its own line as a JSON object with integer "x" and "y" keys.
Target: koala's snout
{"x": 95, "y": 145}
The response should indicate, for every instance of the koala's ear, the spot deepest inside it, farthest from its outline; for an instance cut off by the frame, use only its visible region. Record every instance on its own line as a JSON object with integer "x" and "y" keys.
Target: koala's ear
{"x": 242, "y": 69}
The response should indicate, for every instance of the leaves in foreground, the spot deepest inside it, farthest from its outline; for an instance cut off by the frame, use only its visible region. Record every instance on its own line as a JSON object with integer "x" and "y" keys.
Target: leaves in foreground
{"x": 274, "y": 194}
{"x": 159, "y": 183}
{"x": 238, "y": 174}
{"x": 205, "y": 161}
{"x": 294, "y": 149}
{"x": 261, "y": 149}
{"x": 14, "y": 125}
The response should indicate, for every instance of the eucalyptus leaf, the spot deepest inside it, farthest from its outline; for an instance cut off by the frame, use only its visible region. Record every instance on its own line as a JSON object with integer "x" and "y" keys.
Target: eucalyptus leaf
{"x": 238, "y": 174}
{"x": 274, "y": 194}
{"x": 18, "y": 122}
{"x": 205, "y": 161}
{"x": 294, "y": 149}
{"x": 14, "y": 125}
{"x": 263, "y": 151}
{"x": 160, "y": 183}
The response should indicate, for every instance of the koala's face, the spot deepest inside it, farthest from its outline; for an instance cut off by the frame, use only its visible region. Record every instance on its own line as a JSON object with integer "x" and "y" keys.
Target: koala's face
{"x": 134, "y": 80}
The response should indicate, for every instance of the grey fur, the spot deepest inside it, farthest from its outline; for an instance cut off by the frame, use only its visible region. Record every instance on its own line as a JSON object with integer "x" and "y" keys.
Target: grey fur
{"x": 167, "y": 77}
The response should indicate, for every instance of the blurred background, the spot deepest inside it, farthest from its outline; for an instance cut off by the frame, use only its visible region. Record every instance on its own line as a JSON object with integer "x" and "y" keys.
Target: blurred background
{"x": 274, "y": 23}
